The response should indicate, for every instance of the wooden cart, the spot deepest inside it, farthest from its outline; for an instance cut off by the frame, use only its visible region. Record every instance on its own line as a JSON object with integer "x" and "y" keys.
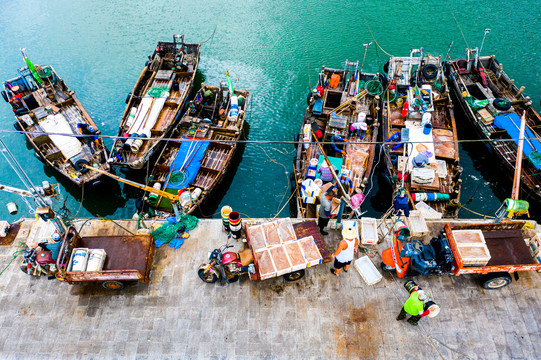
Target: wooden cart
{"x": 129, "y": 258}
{"x": 508, "y": 250}
{"x": 302, "y": 229}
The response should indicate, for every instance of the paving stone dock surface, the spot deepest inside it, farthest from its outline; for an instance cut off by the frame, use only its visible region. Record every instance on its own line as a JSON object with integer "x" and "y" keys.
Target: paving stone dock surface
{"x": 176, "y": 316}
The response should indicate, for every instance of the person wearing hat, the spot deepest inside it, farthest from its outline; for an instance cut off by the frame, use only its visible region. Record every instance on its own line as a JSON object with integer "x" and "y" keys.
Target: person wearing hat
{"x": 345, "y": 180}
{"x": 346, "y": 249}
{"x": 357, "y": 128}
{"x": 414, "y": 306}
{"x": 325, "y": 171}
{"x": 325, "y": 210}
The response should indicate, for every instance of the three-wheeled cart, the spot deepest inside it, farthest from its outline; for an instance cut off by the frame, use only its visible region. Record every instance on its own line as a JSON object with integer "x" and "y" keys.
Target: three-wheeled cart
{"x": 129, "y": 258}
{"x": 302, "y": 230}
{"x": 493, "y": 250}
{"x": 509, "y": 253}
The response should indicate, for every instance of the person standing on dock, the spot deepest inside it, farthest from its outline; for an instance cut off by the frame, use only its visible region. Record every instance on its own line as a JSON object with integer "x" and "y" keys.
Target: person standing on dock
{"x": 343, "y": 256}
{"x": 325, "y": 211}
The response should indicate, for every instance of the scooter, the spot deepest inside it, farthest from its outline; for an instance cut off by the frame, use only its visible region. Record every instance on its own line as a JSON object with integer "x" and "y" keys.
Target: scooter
{"x": 227, "y": 266}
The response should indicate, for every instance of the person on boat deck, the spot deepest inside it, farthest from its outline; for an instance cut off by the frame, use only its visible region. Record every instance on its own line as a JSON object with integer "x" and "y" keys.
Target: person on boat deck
{"x": 395, "y": 138}
{"x": 345, "y": 180}
{"x": 359, "y": 125}
{"x": 338, "y": 144}
{"x": 357, "y": 128}
{"x": 325, "y": 171}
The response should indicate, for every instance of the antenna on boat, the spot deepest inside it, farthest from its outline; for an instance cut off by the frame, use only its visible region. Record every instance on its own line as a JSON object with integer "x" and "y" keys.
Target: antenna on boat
{"x": 366, "y": 45}
{"x": 487, "y": 31}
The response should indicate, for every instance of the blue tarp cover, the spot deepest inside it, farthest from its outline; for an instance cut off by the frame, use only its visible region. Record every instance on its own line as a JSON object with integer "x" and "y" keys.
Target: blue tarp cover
{"x": 192, "y": 151}
{"x": 511, "y": 124}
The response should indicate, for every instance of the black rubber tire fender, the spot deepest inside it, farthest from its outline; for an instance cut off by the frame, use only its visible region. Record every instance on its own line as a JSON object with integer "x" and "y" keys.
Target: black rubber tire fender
{"x": 128, "y": 98}
{"x": 5, "y": 95}
{"x": 501, "y": 104}
{"x": 430, "y": 71}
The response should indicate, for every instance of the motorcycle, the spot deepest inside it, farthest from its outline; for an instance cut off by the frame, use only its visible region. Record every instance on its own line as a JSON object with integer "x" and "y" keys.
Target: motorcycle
{"x": 227, "y": 266}
{"x": 37, "y": 262}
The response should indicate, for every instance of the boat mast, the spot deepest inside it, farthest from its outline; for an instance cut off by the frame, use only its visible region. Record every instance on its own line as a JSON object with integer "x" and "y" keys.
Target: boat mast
{"x": 518, "y": 165}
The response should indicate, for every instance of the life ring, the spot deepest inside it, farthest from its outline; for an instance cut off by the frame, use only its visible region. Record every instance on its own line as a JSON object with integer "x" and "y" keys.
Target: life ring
{"x": 501, "y": 104}
{"x": 5, "y": 95}
{"x": 430, "y": 71}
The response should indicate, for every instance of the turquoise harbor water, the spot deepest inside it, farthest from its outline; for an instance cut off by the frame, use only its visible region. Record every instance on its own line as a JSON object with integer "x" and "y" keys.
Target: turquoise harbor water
{"x": 273, "y": 48}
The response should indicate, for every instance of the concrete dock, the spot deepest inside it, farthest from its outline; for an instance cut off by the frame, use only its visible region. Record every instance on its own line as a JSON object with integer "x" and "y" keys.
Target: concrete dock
{"x": 177, "y": 316}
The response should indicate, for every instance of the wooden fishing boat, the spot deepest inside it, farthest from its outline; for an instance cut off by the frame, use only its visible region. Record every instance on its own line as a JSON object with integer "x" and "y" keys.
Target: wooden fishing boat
{"x": 493, "y": 104}
{"x": 55, "y": 123}
{"x": 195, "y": 164}
{"x": 417, "y": 111}
{"x": 155, "y": 103}
{"x": 342, "y": 98}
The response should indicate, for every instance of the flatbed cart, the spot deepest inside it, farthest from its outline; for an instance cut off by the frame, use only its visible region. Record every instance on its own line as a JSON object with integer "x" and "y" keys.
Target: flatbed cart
{"x": 129, "y": 258}
{"x": 302, "y": 230}
{"x": 508, "y": 253}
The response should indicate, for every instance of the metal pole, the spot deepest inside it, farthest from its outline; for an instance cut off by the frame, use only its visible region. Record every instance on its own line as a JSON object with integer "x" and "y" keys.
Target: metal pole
{"x": 366, "y": 45}
{"x": 484, "y": 36}
{"x": 518, "y": 166}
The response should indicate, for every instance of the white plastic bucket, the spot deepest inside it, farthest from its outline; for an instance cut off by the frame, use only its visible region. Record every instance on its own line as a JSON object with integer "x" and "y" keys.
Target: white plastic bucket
{"x": 96, "y": 259}
{"x": 80, "y": 259}
{"x": 12, "y": 208}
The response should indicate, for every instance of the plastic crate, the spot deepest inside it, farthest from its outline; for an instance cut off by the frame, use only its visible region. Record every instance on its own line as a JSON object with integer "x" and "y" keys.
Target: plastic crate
{"x": 280, "y": 260}
{"x": 468, "y": 237}
{"x": 311, "y": 252}
{"x": 264, "y": 258}
{"x": 295, "y": 254}
{"x": 368, "y": 270}
{"x": 474, "y": 255}
{"x": 369, "y": 231}
{"x": 417, "y": 224}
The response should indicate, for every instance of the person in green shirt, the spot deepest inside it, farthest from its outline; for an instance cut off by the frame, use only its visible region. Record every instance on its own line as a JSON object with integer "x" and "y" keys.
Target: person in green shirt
{"x": 414, "y": 306}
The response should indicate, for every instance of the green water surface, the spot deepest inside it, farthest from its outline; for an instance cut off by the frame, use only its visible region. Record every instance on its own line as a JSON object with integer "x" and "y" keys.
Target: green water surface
{"x": 274, "y": 49}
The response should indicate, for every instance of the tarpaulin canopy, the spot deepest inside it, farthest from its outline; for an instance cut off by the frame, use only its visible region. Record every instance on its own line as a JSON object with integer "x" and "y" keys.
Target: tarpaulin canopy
{"x": 511, "y": 124}
{"x": 187, "y": 162}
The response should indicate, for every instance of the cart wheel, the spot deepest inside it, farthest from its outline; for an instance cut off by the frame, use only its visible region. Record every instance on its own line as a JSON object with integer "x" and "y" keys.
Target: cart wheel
{"x": 207, "y": 277}
{"x": 495, "y": 281}
{"x": 386, "y": 267}
{"x": 113, "y": 285}
{"x": 233, "y": 279}
{"x": 294, "y": 276}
